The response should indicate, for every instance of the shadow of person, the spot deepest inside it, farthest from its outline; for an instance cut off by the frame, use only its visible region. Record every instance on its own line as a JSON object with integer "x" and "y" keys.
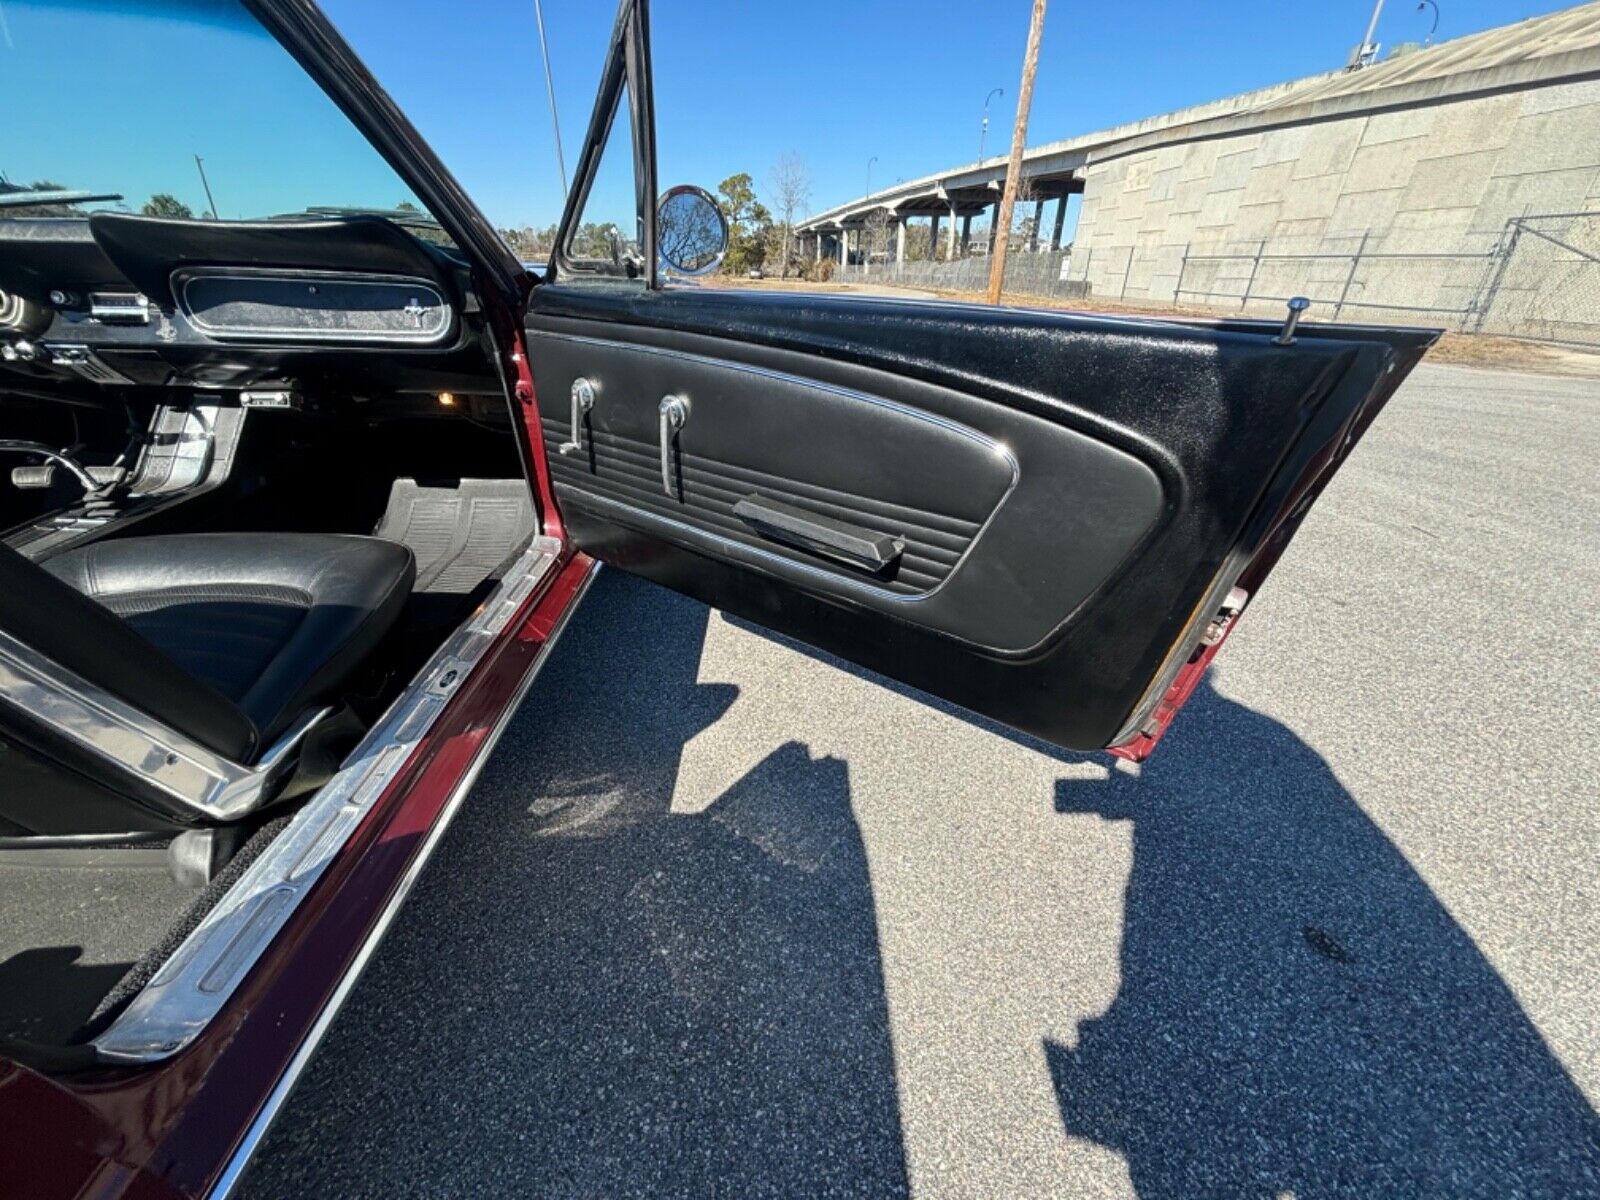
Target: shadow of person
{"x": 48, "y": 992}
{"x": 591, "y": 993}
{"x": 1298, "y": 1013}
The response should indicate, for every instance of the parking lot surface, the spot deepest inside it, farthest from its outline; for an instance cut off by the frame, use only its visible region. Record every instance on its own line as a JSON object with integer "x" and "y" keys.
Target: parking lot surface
{"x": 724, "y": 917}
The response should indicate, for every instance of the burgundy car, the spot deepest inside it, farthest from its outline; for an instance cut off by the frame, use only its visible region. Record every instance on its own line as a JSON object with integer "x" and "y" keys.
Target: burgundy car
{"x": 297, "y": 500}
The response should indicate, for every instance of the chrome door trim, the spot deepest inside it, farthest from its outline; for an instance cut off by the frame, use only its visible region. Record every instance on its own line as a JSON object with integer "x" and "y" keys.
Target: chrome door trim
{"x": 291, "y": 1075}
{"x": 192, "y": 782}
{"x": 191, "y": 987}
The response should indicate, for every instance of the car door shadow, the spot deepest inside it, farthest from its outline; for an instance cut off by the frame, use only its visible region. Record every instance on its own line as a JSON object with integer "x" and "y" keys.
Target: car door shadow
{"x": 590, "y": 994}
{"x": 1298, "y": 1013}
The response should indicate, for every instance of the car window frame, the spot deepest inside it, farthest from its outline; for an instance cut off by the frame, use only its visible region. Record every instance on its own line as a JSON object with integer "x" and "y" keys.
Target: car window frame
{"x": 627, "y": 70}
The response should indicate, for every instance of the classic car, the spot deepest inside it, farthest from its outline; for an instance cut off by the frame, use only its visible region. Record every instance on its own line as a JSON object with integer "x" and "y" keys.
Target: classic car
{"x": 298, "y": 499}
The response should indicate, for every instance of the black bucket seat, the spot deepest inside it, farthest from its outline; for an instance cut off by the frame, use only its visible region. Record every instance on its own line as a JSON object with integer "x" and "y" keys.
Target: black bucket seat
{"x": 156, "y": 682}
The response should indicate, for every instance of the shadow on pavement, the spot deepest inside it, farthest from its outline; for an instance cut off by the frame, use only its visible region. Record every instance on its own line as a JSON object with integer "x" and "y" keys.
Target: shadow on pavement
{"x": 1298, "y": 1014}
{"x": 47, "y": 993}
{"x": 589, "y": 995}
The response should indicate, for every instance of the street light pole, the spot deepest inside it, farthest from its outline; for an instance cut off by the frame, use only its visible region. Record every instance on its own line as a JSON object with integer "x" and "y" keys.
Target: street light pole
{"x": 870, "y": 161}
{"x": 1434, "y": 28}
{"x": 984, "y": 133}
{"x": 1367, "y": 51}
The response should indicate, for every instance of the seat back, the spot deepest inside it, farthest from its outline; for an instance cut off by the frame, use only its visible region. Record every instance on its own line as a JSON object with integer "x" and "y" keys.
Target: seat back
{"x": 83, "y": 637}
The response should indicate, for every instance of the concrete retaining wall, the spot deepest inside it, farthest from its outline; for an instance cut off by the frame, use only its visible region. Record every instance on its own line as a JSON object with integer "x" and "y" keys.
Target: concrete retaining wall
{"x": 1439, "y": 179}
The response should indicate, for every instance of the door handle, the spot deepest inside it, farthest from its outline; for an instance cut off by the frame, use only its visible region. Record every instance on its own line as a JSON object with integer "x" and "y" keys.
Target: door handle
{"x": 841, "y": 541}
{"x": 674, "y": 416}
{"x": 583, "y": 393}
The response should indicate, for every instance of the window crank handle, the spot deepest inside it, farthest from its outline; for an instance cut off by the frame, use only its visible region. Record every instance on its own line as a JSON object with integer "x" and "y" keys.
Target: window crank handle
{"x": 674, "y": 416}
{"x": 582, "y": 401}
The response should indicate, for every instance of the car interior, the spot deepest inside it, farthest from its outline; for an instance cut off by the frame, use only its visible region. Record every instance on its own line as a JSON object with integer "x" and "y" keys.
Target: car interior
{"x": 253, "y": 475}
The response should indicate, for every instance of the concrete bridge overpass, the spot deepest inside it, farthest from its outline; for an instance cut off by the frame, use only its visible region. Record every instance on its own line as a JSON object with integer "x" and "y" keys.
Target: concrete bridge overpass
{"x": 1357, "y": 133}
{"x": 949, "y": 201}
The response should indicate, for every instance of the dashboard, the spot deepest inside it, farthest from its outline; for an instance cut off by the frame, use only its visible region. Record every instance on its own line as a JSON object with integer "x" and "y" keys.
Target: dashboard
{"x": 117, "y": 299}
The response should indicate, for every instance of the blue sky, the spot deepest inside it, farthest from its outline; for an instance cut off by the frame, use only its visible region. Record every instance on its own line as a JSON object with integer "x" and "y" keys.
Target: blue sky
{"x": 120, "y": 95}
{"x": 740, "y": 82}
{"x": 95, "y": 99}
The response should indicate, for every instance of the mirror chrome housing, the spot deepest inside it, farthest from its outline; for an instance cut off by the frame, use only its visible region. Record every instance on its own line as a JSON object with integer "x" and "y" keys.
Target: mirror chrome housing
{"x": 691, "y": 232}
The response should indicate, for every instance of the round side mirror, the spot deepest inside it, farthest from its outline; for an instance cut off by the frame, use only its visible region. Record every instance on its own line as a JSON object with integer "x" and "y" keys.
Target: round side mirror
{"x": 691, "y": 232}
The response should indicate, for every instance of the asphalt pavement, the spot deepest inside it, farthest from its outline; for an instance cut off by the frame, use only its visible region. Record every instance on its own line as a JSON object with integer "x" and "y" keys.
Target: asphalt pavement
{"x": 724, "y": 917}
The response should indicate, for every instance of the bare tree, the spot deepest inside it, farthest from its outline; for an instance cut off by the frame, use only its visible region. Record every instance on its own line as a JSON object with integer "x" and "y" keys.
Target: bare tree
{"x": 875, "y": 237}
{"x": 790, "y": 184}
{"x": 1025, "y": 227}
{"x": 919, "y": 243}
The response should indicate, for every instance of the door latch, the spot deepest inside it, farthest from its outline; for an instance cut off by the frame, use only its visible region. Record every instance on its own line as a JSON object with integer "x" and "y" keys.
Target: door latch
{"x": 1230, "y": 608}
{"x": 583, "y": 393}
{"x": 674, "y": 416}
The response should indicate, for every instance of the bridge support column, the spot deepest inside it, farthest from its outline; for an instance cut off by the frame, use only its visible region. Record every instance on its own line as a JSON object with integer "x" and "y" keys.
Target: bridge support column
{"x": 1061, "y": 220}
{"x": 950, "y": 252}
{"x": 819, "y": 245}
{"x": 994, "y": 226}
{"x": 900, "y": 239}
{"x": 1038, "y": 219}
{"x": 933, "y": 237}
{"x": 966, "y": 233}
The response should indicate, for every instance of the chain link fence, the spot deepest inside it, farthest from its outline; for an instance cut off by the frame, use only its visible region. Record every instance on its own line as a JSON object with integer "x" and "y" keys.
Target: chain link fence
{"x": 1033, "y": 273}
{"x": 1539, "y": 280}
{"x": 1546, "y": 281}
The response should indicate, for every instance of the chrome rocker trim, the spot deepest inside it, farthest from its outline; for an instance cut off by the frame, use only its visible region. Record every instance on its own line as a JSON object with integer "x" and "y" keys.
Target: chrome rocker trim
{"x": 191, "y": 987}
{"x": 291, "y": 1075}
{"x": 193, "y": 782}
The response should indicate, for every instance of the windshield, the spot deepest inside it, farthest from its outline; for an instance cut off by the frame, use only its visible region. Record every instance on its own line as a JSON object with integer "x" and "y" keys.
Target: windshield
{"x": 175, "y": 108}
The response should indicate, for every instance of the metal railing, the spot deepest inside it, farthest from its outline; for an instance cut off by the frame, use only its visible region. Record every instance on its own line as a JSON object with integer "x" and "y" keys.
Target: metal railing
{"x": 1540, "y": 279}
{"x": 1444, "y": 285}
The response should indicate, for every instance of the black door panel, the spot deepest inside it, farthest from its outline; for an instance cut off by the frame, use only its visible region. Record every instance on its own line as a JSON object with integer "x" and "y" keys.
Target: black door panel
{"x": 753, "y": 431}
{"x": 1154, "y": 462}
{"x": 775, "y": 471}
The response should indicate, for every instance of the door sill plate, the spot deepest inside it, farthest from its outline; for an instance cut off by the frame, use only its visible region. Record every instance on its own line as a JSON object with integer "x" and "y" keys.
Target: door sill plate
{"x": 191, "y": 987}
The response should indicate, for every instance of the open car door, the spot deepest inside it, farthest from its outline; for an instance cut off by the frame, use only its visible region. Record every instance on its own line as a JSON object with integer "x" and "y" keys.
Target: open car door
{"x": 1051, "y": 519}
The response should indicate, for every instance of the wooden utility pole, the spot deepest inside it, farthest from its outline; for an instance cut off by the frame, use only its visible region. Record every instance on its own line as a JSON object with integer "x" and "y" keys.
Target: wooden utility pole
{"x": 1019, "y": 136}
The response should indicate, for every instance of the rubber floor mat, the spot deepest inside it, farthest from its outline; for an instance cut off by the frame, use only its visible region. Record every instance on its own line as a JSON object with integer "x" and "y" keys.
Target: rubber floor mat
{"x": 462, "y": 535}
{"x": 72, "y": 922}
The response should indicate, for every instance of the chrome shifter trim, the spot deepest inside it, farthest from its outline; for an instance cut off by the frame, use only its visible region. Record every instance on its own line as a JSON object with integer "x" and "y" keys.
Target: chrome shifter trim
{"x": 87, "y": 481}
